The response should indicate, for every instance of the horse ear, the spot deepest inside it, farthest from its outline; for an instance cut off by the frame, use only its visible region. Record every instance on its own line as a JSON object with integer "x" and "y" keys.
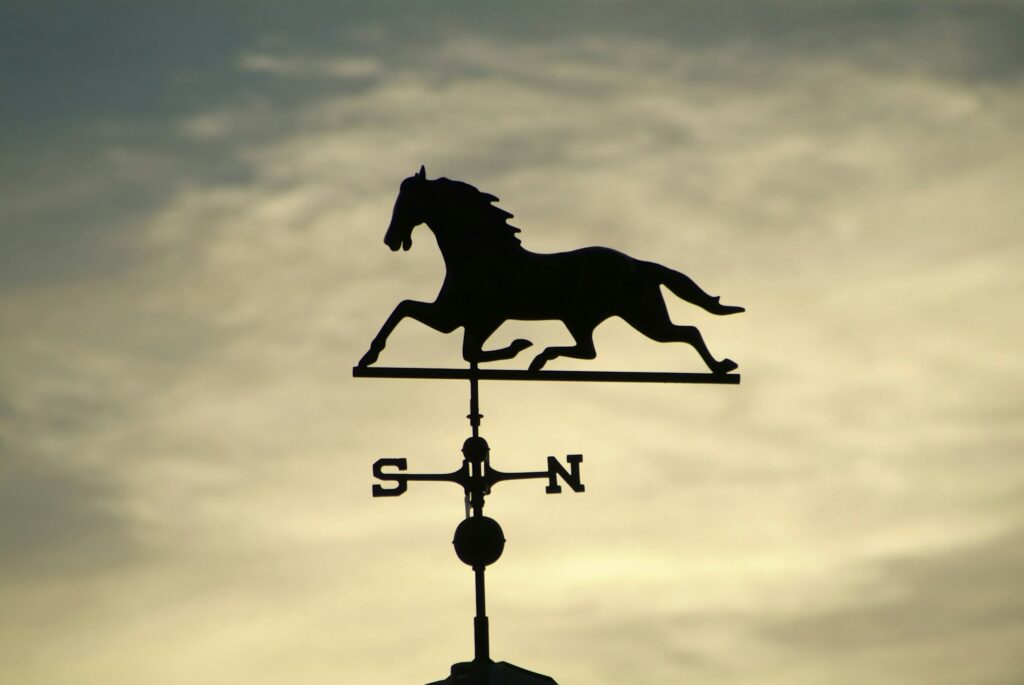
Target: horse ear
{"x": 422, "y": 173}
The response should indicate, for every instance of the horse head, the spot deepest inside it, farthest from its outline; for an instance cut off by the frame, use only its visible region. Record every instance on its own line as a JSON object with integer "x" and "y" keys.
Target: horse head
{"x": 409, "y": 212}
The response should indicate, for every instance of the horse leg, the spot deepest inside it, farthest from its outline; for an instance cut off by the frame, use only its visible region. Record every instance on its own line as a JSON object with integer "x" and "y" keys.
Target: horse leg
{"x": 651, "y": 318}
{"x": 437, "y": 316}
{"x": 583, "y": 334}
{"x": 475, "y": 337}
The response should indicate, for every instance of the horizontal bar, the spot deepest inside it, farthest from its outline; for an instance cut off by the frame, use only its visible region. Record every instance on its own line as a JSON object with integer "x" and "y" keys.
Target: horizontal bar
{"x": 521, "y": 375}
{"x": 456, "y": 477}
{"x": 500, "y": 476}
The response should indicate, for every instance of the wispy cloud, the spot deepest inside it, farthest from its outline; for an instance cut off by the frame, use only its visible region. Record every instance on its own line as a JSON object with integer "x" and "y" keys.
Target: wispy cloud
{"x": 309, "y": 67}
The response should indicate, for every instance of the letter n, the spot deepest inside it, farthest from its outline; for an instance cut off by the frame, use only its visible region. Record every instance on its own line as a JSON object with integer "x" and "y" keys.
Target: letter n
{"x": 571, "y": 477}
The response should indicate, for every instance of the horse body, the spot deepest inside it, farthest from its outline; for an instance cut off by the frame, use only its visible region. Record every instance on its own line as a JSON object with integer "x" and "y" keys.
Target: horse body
{"x": 491, "y": 278}
{"x": 523, "y": 285}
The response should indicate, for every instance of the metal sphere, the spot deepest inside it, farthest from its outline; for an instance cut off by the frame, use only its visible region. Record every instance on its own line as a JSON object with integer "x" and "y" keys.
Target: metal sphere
{"x": 475, "y": 450}
{"x": 479, "y": 541}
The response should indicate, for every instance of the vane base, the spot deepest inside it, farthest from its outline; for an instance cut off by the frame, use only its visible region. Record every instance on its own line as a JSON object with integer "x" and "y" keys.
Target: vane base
{"x": 491, "y": 673}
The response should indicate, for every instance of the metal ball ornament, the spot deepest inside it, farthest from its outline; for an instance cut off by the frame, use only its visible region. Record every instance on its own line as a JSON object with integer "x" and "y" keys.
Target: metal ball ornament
{"x": 475, "y": 450}
{"x": 479, "y": 541}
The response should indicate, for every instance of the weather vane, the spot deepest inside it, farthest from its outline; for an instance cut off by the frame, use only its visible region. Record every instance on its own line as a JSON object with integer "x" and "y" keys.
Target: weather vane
{"x": 490, "y": 278}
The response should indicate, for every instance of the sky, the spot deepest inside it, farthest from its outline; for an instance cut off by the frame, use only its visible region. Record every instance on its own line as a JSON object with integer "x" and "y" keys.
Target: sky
{"x": 191, "y": 261}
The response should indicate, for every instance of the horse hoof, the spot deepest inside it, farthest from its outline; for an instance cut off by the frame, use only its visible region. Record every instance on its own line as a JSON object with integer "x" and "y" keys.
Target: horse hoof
{"x": 368, "y": 358}
{"x": 725, "y": 366}
{"x": 538, "y": 363}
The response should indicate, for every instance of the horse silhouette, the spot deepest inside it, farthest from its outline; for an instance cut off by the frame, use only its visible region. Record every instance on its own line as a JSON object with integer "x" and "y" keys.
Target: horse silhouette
{"x": 491, "y": 278}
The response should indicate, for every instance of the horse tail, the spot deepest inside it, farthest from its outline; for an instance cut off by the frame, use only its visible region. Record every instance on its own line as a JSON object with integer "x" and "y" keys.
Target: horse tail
{"x": 683, "y": 287}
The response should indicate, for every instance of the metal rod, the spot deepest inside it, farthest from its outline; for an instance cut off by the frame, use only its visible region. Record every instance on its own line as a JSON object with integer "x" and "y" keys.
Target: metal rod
{"x": 474, "y": 399}
{"x": 475, "y": 375}
{"x": 481, "y": 629}
{"x": 477, "y": 489}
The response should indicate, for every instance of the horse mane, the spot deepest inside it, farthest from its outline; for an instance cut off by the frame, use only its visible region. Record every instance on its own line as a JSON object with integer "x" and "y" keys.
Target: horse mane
{"x": 476, "y": 211}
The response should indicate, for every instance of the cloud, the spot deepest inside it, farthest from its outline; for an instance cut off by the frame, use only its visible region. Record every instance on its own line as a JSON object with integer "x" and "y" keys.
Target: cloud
{"x": 189, "y": 396}
{"x": 58, "y": 526}
{"x": 940, "y": 611}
